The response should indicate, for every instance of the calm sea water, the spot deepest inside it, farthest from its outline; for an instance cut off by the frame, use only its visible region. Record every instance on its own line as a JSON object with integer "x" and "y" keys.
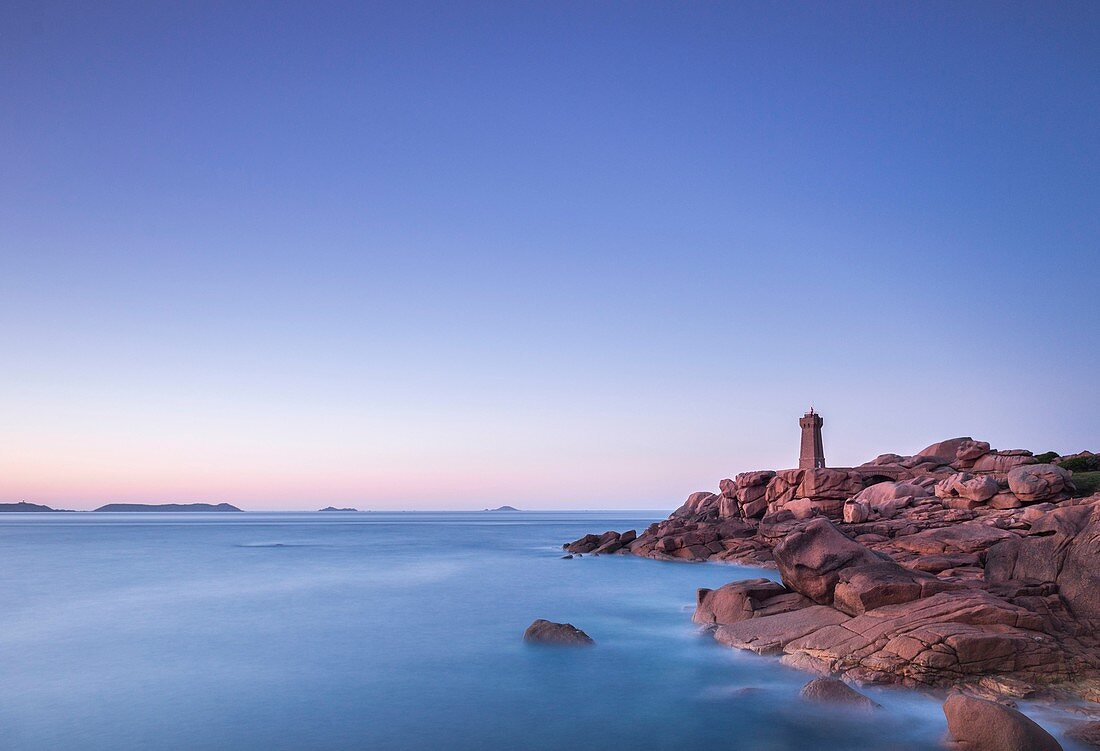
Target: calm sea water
{"x": 382, "y": 631}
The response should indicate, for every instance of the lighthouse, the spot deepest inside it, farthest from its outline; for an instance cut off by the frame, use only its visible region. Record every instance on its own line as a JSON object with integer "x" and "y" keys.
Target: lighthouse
{"x": 812, "y": 454}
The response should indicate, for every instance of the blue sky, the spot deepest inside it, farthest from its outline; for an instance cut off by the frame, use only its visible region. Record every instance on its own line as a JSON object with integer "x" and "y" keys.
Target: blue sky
{"x": 420, "y": 255}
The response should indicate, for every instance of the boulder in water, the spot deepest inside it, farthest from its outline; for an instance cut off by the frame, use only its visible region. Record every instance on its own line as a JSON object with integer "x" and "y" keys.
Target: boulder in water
{"x": 547, "y": 632}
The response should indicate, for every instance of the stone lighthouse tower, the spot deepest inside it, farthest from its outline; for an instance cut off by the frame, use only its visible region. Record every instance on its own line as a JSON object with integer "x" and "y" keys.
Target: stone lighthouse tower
{"x": 812, "y": 454}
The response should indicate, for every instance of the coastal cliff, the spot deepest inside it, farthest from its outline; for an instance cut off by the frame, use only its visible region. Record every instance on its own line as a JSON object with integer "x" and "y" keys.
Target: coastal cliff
{"x": 958, "y": 566}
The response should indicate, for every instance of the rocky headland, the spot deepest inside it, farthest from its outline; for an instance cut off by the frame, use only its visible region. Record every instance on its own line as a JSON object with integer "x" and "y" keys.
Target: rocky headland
{"x": 959, "y": 566}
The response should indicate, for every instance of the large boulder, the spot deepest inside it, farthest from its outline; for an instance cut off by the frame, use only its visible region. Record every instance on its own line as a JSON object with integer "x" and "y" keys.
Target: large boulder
{"x": 750, "y": 598}
{"x": 967, "y": 453}
{"x": 883, "y": 492}
{"x": 1002, "y": 461}
{"x": 946, "y": 450}
{"x": 1038, "y": 482}
{"x": 819, "y": 562}
{"x": 883, "y": 500}
{"x": 698, "y": 504}
{"x": 977, "y": 488}
{"x": 548, "y": 632}
{"x": 870, "y": 586}
{"x": 979, "y": 725}
{"x": 811, "y": 558}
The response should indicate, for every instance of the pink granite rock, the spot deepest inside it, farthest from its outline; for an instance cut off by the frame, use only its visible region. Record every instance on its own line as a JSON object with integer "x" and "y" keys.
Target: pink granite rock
{"x": 882, "y": 492}
{"x": 977, "y": 488}
{"x": 740, "y": 600}
{"x": 969, "y": 537}
{"x": 856, "y": 511}
{"x": 548, "y": 632}
{"x": 833, "y": 691}
{"x": 978, "y": 725}
{"x": 750, "y": 489}
{"x": 968, "y": 453}
{"x": 816, "y": 484}
{"x": 1001, "y": 461}
{"x": 946, "y": 450}
{"x": 770, "y": 634}
{"x": 932, "y": 641}
{"x": 698, "y": 504}
{"x": 1038, "y": 482}
{"x": 1064, "y": 549}
{"x": 811, "y": 558}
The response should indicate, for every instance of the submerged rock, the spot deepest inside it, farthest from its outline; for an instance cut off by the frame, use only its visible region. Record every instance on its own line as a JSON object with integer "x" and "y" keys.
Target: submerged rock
{"x": 542, "y": 631}
{"x": 833, "y": 691}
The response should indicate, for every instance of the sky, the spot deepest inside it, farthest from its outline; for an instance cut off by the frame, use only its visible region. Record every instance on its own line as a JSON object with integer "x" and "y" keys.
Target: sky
{"x": 557, "y": 255}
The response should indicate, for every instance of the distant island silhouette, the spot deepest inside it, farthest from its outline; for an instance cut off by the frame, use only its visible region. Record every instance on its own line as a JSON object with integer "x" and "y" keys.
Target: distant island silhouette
{"x": 502, "y": 508}
{"x": 333, "y": 508}
{"x": 24, "y": 507}
{"x": 167, "y": 507}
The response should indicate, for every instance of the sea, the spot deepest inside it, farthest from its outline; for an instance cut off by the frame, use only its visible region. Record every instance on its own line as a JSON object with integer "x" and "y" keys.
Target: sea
{"x": 391, "y": 631}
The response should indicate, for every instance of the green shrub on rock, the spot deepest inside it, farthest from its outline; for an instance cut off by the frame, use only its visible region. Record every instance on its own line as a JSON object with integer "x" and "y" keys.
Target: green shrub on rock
{"x": 1081, "y": 464}
{"x": 1086, "y": 483}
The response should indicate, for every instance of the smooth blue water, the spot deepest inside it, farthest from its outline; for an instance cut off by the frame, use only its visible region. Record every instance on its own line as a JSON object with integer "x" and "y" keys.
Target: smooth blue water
{"x": 382, "y": 631}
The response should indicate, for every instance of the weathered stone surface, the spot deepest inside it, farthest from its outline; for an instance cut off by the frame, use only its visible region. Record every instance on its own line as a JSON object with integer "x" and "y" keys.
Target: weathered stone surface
{"x": 934, "y": 564}
{"x": 969, "y": 452}
{"x": 697, "y": 504}
{"x": 833, "y": 691}
{"x": 810, "y": 559}
{"x": 969, "y": 537}
{"x": 946, "y": 450}
{"x": 585, "y": 544}
{"x": 740, "y": 600}
{"x": 750, "y": 492}
{"x": 770, "y": 634}
{"x": 1003, "y": 501}
{"x": 884, "y": 460}
{"x": 936, "y": 640}
{"x": 1001, "y": 462}
{"x": 608, "y": 542}
{"x": 1063, "y": 549}
{"x": 882, "y": 492}
{"x": 856, "y": 511}
{"x": 863, "y": 588}
{"x": 979, "y": 488}
{"x": 1038, "y": 482}
{"x": 547, "y": 632}
{"x": 979, "y": 725}
{"x": 817, "y": 484}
